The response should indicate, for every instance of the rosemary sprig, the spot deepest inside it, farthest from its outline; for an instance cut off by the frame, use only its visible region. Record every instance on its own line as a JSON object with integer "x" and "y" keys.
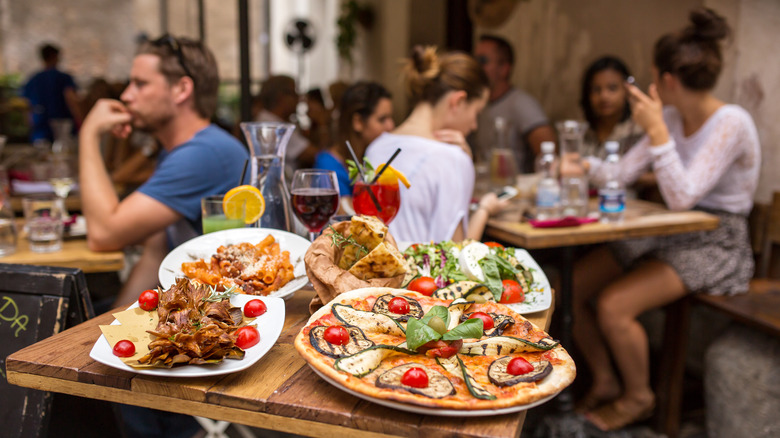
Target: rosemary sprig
{"x": 215, "y": 296}
{"x": 340, "y": 241}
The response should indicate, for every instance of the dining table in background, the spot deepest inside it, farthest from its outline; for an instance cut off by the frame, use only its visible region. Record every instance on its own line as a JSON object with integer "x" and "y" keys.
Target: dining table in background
{"x": 642, "y": 219}
{"x": 279, "y": 392}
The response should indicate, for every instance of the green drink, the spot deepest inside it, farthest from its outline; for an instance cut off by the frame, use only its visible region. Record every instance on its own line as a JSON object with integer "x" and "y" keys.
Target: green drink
{"x": 220, "y": 222}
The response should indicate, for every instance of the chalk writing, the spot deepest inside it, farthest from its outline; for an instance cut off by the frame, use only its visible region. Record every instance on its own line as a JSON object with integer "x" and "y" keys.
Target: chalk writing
{"x": 9, "y": 312}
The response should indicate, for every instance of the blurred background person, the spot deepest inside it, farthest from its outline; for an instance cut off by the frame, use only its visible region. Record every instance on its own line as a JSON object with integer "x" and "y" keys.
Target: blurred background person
{"x": 448, "y": 91}
{"x": 527, "y": 123}
{"x": 366, "y": 112}
{"x": 319, "y": 131}
{"x": 52, "y": 95}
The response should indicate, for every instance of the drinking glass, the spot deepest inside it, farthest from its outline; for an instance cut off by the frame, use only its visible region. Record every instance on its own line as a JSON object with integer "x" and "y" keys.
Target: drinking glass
{"x": 315, "y": 198}
{"x": 43, "y": 220}
{"x": 386, "y": 195}
{"x": 62, "y": 176}
{"x": 213, "y": 216}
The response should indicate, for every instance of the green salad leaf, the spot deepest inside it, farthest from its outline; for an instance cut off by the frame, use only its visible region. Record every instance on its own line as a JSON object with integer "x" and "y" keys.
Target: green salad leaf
{"x": 469, "y": 329}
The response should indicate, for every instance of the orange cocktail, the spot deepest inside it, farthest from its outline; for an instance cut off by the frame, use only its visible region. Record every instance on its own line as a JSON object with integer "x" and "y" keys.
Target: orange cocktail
{"x": 387, "y": 195}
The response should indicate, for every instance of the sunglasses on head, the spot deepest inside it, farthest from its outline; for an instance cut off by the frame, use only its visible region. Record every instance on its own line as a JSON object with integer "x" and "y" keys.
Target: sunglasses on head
{"x": 173, "y": 43}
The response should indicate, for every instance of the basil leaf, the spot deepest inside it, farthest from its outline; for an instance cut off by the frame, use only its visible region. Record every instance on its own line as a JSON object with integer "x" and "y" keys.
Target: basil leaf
{"x": 470, "y": 329}
{"x": 492, "y": 277}
{"x": 439, "y": 311}
{"x": 419, "y": 333}
{"x": 505, "y": 268}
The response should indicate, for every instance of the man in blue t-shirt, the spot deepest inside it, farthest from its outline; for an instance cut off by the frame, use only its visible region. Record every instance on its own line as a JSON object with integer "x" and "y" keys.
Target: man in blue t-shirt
{"x": 172, "y": 95}
{"x": 52, "y": 95}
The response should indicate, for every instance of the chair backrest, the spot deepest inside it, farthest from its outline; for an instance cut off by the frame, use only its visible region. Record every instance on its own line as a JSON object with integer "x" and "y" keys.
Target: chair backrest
{"x": 771, "y": 236}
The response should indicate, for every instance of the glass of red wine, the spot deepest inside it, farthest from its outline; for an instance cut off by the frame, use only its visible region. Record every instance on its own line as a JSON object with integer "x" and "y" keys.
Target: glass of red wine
{"x": 315, "y": 198}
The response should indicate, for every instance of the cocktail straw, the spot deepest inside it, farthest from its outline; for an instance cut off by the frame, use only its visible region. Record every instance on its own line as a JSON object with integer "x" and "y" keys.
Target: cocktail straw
{"x": 378, "y": 174}
{"x": 363, "y": 175}
{"x": 243, "y": 172}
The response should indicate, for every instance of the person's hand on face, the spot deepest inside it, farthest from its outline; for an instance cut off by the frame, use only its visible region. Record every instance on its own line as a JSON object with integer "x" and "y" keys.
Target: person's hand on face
{"x": 108, "y": 115}
{"x": 453, "y": 137}
{"x": 647, "y": 112}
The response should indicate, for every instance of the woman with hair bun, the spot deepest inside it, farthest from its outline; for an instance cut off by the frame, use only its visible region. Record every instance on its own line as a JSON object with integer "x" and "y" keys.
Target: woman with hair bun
{"x": 706, "y": 156}
{"x": 448, "y": 91}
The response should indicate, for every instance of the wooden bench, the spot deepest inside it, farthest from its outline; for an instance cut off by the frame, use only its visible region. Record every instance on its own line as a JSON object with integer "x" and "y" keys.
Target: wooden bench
{"x": 759, "y": 308}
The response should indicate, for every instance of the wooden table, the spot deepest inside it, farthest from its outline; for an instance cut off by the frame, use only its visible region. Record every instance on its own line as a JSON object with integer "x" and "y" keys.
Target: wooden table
{"x": 279, "y": 392}
{"x": 74, "y": 254}
{"x": 642, "y": 219}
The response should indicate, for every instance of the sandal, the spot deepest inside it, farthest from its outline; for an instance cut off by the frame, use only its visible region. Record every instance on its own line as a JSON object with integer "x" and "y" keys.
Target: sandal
{"x": 613, "y": 416}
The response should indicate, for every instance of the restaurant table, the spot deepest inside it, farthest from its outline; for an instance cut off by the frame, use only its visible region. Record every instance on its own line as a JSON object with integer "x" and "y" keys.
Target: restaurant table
{"x": 72, "y": 202}
{"x": 74, "y": 254}
{"x": 279, "y": 392}
{"x": 641, "y": 219}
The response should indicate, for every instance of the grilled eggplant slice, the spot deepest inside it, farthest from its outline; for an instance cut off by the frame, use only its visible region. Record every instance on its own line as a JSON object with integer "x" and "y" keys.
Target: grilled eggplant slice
{"x": 357, "y": 342}
{"x": 439, "y": 386}
{"x": 499, "y": 377}
{"x": 368, "y": 321}
{"x": 505, "y": 345}
{"x": 500, "y": 323}
{"x": 362, "y": 363}
{"x": 461, "y": 289}
{"x": 381, "y": 306}
{"x": 455, "y": 366}
{"x": 456, "y": 309}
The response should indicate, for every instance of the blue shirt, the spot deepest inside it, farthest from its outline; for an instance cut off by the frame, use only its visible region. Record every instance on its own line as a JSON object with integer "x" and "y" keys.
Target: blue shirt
{"x": 326, "y": 160}
{"x": 46, "y": 93}
{"x": 209, "y": 163}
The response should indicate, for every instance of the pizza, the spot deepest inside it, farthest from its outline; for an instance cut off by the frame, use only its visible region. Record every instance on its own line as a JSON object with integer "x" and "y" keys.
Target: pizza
{"x": 399, "y": 345}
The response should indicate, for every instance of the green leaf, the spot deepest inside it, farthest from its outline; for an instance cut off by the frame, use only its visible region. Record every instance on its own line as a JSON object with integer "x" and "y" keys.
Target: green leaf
{"x": 492, "y": 277}
{"x": 439, "y": 311}
{"x": 419, "y": 333}
{"x": 470, "y": 329}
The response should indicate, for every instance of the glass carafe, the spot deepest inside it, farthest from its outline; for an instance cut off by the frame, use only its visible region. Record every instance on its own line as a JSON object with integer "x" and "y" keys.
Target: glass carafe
{"x": 574, "y": 179}
{"x": 267, "y": 145}
{"x": 503, "y": 165}
{"x": 63, "y": 144}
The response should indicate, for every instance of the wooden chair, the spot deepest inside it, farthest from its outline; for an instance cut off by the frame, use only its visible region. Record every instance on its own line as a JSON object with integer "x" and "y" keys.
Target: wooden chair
{"x": 758, "y": 308}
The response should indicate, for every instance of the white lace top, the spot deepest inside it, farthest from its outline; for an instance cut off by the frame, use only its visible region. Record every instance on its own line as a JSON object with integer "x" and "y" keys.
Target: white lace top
{"x": 716, "y": 167}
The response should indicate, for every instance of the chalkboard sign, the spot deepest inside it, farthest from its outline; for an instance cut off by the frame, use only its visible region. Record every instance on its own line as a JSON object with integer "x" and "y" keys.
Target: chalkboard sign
{"x": 35, "y": 302}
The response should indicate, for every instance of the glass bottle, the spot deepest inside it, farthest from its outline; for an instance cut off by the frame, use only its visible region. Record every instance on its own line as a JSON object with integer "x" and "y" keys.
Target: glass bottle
{"x": 548, "y": 192}
{"x": 267, "y": 145}
{"x": 574, "y": 179}
{"x": 612, "y": 194}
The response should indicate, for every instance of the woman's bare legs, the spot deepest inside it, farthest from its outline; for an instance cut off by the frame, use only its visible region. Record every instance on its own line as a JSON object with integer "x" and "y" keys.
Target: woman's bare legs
{"x": 651, "y": 285}
{"x": 592, "y": 274}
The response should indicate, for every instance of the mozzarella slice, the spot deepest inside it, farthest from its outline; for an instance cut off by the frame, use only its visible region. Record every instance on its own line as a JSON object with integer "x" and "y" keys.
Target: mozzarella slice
{"x": 469, "y": 258}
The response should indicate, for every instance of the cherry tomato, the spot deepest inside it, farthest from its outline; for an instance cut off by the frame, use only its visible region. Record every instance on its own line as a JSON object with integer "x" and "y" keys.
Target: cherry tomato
{"x": 336, "y": 335}
{"x": 148, "y": 299}
{"x": 398, "y": 305}
{"x": 415, "y": 377}
{"x": 519, "y": 366}
{"x": 247, "y": 337}
{"x": 254, "y": 308}
{"x": 441, "y": 349}
{"x": 423, "y": 285}
{"x": 513, "y": 293}
{"x": 487, "y": 320}
{"x": 124, "y": 348}
{"x": 494, "y": 245}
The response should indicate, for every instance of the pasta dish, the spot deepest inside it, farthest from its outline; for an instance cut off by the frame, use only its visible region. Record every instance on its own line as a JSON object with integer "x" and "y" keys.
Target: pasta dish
{"x": 252, "y": 269}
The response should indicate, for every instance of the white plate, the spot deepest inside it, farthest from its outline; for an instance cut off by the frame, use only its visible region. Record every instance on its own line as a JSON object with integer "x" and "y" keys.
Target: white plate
{"x": 540, "y": 297}
{"x": 415, "y": 409}
{"x": 269, "y": 325}
{"x": 203, "y": 247}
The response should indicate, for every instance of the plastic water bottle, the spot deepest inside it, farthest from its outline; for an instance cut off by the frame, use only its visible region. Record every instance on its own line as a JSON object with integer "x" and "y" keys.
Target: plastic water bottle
{"x": 548, "y": 193}
{"x": 612, "y": 194}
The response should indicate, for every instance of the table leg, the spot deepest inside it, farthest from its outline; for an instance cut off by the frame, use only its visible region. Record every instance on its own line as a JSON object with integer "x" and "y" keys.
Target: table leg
{"x": 566, "y": 399}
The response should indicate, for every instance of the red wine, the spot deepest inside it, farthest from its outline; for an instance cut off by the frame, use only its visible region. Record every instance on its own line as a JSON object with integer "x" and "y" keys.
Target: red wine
{"x": 314, "y": 207}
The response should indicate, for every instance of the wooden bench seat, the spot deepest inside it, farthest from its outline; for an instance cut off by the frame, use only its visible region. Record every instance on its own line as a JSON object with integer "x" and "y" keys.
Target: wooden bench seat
{"x": 759, "y": 308}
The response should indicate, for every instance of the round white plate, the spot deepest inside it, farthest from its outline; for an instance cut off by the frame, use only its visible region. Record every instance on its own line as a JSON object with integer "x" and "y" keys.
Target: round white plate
{"x": 269, "y": 325}
{"x": 203, "y": 247}
{"x": 540, "y": 296}
{"x": 415, "y": 409}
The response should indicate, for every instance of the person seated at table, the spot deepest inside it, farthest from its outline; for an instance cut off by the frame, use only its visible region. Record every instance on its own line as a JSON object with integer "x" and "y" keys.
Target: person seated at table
{"x": 171, "y": 96}
{"x": 319, "y": 116}
{"x": 449, "y": 91}
{"x": 366, "y": 112}
{"x": 706, "y": 155}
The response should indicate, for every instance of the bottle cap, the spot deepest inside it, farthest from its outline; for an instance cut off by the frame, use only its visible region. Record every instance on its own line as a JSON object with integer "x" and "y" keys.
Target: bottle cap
{"x": 612, "y": 147}
{"x": 548, "y": 147}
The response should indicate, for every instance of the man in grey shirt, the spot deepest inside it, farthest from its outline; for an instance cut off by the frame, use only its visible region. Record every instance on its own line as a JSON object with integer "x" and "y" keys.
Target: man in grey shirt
{"x": 527, "y": 125}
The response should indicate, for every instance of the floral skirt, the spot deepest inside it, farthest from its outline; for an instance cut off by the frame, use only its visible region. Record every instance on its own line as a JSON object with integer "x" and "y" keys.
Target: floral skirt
{"x": 717, "y": 262}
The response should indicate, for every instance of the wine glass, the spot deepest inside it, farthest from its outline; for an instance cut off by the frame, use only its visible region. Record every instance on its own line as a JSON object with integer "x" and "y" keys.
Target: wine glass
{"x": 315, "y": 198}
{"x": 62, "y": 176}
{"x": 385, "y": 196}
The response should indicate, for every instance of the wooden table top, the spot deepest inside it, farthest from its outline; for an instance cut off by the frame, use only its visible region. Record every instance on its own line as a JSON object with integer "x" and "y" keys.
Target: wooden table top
{"x": 642, "y": 219}
{"x": 279, "y": 392}
{"x": 74, "y": 254}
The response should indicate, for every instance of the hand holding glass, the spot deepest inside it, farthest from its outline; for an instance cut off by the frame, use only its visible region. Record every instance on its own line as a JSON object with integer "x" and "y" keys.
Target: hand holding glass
{"x": 315, "y": 198}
